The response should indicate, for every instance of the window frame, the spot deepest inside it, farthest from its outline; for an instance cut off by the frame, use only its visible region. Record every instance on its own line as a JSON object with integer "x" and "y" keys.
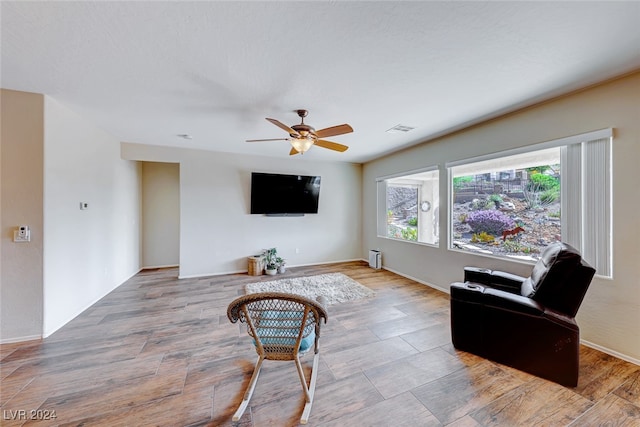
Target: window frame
{"x": 580, "y": 141}
{"x": 381, "y": 203}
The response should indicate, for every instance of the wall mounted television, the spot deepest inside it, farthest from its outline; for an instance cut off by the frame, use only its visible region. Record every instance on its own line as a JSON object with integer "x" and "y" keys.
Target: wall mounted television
{"x": 284, "y": 195}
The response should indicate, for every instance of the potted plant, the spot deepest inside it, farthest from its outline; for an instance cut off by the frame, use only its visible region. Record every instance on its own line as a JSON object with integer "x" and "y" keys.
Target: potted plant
{"x": 281, "y": 265}
{"x": 270, "y": 256}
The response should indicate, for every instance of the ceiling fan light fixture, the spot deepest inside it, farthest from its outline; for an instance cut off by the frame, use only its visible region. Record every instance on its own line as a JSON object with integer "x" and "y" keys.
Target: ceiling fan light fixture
{"x": 301, "y": 145}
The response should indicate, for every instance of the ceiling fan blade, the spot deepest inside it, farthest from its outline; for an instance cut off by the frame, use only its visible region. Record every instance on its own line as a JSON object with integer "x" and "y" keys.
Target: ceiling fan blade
{"x": 283, "y": 127}
{"x": 331, "y": 145}
{"x": 293, "y": 152}
{"x": 273, "y": 139}
{"x": 334, "y": 130}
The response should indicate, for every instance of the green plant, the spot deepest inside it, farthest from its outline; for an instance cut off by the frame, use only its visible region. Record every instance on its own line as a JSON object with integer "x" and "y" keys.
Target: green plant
{"x": 481, "y": 204}
{"x": 535, "y": 197}
{"x": 459, "y": 181}
{"x": 549, "y": 196}
{"x": 490, "y": 221}
{"x": 413, "y": 221}
{"x": 541, "y": 182}
{"x": 463, "y": 218}
{"x": 410, "y": 233}
{"x": 270, "y": 256}
{"x": 496, "y": 199}
{"x": 482, "y": 237}
{"x": 280, "y": 261}
{"x": 514, "y": 246}
{"x": 554, "y": 214}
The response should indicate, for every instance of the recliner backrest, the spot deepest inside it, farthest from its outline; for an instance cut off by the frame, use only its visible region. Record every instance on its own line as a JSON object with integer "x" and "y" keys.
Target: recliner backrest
{"x": 559, "y": 279}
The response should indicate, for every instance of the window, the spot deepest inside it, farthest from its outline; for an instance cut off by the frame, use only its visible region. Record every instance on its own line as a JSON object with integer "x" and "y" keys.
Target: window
{"x": 514, "y": 204}
{"x": 408, "y": 206}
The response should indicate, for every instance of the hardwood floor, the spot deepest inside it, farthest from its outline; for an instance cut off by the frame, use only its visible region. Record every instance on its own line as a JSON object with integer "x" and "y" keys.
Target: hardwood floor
{"x": 161, "y": 351}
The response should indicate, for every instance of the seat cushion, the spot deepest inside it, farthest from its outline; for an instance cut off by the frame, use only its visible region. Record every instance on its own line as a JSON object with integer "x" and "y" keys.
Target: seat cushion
{"x": 281, "y": 328}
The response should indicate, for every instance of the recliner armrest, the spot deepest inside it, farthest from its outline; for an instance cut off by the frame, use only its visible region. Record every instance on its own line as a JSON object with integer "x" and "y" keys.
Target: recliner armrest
{"x": 494, "y": 278}
{"x": 507, "y": 281}
{"x": 477, "y": 275}
{"x": 479, "y": 294}
{"x": 508, "y": 301}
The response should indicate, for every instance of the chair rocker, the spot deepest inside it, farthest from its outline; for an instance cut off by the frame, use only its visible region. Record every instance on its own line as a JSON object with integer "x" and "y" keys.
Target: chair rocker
{"x": 283, "y": 327}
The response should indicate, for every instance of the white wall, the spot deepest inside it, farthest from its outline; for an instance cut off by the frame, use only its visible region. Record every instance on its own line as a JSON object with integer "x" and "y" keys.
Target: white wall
{"x": 609, "y": 317}
{"x": 217, "y": 233}
{"x": 21, "y": 148}
{"x": 87, "y": 253}
{"x": 160, "y": 214}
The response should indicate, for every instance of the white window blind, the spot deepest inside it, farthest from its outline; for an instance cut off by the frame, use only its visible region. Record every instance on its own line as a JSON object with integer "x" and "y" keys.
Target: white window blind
{"x": 586, "y": 201}
{"x": 381, "y": 204}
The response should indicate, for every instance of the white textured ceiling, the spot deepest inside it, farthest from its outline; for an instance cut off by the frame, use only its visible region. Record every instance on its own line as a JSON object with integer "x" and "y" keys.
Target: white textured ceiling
{"x": 148, "y": 71}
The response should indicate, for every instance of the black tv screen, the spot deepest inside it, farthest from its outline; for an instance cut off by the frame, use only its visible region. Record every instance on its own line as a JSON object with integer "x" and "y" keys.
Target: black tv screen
{"x": 276, "y": 194}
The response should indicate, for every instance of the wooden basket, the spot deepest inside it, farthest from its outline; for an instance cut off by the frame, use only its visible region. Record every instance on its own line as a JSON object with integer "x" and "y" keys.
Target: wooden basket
{"x": 256, "y": 266}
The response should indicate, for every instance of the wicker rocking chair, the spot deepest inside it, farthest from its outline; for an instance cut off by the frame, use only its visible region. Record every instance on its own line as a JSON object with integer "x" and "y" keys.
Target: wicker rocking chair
{"x": 283, "y": 326}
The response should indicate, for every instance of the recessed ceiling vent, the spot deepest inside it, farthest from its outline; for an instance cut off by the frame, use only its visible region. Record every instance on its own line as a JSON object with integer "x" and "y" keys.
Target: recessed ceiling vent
{"x": 400, "y": 129}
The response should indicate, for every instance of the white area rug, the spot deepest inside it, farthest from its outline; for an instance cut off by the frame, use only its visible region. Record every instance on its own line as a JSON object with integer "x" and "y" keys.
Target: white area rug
{"x": 335, "y": 287}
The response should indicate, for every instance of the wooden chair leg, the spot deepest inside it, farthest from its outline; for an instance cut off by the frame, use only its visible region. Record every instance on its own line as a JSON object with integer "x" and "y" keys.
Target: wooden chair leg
{"x": 250, "y": 388}
{"x": 303, "y": 380}
{"x": 311, "y": 390}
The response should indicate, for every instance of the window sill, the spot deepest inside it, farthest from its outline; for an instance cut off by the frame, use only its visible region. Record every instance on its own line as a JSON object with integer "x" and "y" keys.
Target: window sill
{"x": 513, "y": 259}
{"x": 413, "y": 242}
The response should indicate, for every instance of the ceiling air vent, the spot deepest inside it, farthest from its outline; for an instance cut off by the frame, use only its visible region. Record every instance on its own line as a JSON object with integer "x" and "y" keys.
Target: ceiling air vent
{"x": 400, "y": 129}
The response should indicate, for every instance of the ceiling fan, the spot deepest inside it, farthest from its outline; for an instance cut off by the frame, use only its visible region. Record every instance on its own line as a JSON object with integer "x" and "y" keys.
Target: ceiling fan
{"x": 303, "y": 136}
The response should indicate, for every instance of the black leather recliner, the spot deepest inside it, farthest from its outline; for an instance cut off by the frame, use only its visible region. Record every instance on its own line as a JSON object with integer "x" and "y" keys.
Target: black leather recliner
{"x": 526, "y": 323}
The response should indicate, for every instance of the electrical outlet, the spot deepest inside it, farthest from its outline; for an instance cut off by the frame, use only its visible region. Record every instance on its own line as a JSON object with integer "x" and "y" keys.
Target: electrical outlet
{"x": 22, "y": 234}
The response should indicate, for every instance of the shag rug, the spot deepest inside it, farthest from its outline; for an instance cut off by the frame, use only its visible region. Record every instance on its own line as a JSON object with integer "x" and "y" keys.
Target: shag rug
{"x": 334, "y": 287}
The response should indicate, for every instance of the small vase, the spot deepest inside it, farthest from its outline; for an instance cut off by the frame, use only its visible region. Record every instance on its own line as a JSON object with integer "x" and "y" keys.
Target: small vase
{"x": 282, "y": 269}
{"x": 271, "y": 272}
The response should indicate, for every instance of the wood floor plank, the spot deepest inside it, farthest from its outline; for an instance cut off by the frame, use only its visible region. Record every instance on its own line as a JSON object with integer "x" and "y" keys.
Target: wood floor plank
{"x": 345, "y": 363}
{"x": 160, "y": 351}
{"x": 466, "y": 390}
{"x": 630, "y": 389}
{"x": 535, "y": 403}
{"x": 612, "y": 411}
{"x": 402, "y": 375}
{"x": 428, "y": 338}
{"x": 402, "y": 411}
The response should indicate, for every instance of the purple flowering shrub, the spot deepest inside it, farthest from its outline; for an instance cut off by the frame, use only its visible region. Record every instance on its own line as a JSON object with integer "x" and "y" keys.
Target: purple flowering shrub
{"x": 489, "y": 221}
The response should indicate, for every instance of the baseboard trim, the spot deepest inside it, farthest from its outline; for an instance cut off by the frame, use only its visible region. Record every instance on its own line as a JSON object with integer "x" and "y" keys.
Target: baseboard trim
{"x": 325, "y": 262}
{"x": 195, "y": 276}
{"x": 153, "y": 267}
{"x": 21, "y": 339}
{"x": 611, "y": 352}
{"x": 431, "y": 285}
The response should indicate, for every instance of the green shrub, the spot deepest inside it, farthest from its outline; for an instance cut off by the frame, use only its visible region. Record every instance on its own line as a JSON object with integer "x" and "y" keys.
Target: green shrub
{"x": 458, "y": 182}
{"x": 413, "y": 221}
{"x": 514, "y": 246}
{"x": 410, "y": 233}
{"x": 481, "y": 204}
{"x": 554, "y": 214}
{"x": 495, "y": 198}
{"x": 541, "y": 182}
{"x": 549, "y": 196}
